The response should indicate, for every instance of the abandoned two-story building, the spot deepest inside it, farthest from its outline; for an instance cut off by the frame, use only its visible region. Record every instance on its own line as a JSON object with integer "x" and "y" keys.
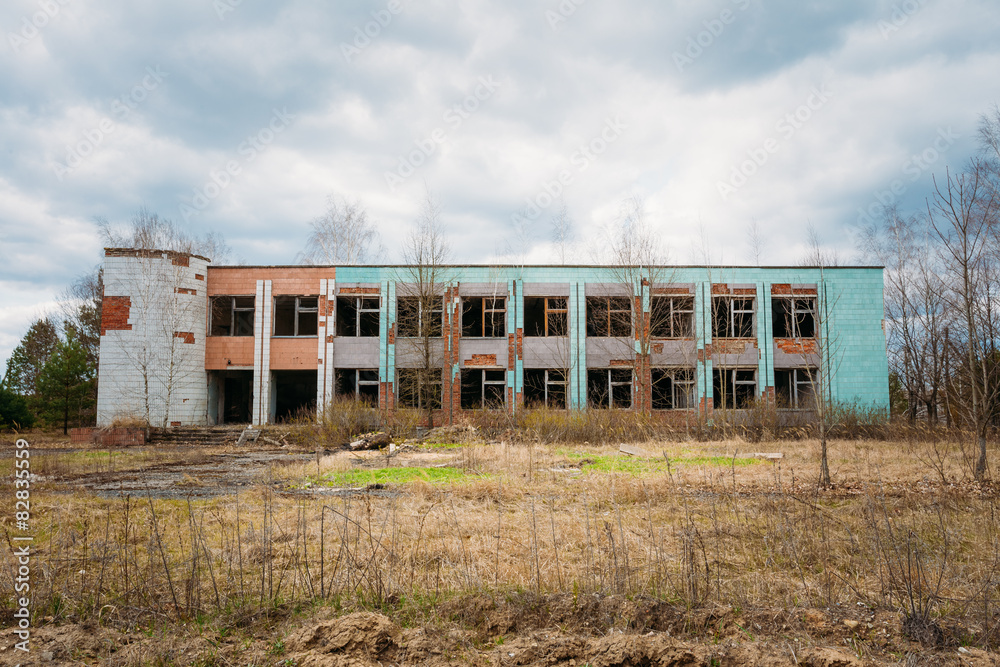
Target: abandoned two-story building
{"x": 187, "y": 343}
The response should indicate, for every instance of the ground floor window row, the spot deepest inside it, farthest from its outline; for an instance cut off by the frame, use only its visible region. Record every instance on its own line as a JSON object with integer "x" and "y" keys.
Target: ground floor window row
{"x": 293, "y": 393}
{"x": 671, "y": 388}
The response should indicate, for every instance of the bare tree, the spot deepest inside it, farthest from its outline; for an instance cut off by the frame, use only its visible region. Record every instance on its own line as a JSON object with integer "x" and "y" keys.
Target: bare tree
{"x": 817, "y": 255}
{"x": 755, "y": 240}
{"x": 639, "y": 263}
{"x": 344, "y": 234}
{"x": 916, "y": 312}
{"x": 421, "y": 311}
{"x": 146, "y": 230}
{"x": 963, "y": 214}
{"x": 562, "y": 232}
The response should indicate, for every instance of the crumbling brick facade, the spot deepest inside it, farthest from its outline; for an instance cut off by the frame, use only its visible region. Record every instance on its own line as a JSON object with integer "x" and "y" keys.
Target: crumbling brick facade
{"x": 266, "y": 340}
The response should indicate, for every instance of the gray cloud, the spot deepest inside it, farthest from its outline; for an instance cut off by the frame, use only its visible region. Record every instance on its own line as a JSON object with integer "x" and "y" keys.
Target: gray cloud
{"x": 78, "y": 81}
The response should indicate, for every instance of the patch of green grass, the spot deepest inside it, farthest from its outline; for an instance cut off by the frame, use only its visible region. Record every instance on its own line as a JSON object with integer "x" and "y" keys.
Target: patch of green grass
{"x": 392, "y": 476}
{"x": 640, "y": 466}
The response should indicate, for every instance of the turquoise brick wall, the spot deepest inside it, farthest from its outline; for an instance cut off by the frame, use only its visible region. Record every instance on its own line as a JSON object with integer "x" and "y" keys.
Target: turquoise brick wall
{"x": 851, "y": 311}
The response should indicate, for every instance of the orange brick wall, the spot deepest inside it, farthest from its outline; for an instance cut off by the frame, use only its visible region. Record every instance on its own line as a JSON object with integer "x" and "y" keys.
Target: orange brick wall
{"x": 114, "y": 314}
{"x": 221, "y": 352}
{"x": 293, "y": 354}
{"x": 284, "y": 280}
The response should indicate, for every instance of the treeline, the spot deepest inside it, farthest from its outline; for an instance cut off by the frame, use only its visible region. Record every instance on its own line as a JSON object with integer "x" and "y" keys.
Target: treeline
{"x": 942, "y": 296}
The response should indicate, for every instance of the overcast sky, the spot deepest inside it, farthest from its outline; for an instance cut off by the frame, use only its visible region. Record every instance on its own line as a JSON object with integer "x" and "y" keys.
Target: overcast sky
{"x": 241, "y": 116}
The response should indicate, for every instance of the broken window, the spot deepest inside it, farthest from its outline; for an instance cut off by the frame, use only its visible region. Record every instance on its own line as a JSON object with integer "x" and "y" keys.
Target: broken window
{"x": 673, "y": 388}
{"x": 732, "y": 317}
{"x": 546, "y": 316}
{"x": 671, "y": 317}
{"x": 419, "y": 388}
{"x": 793, "y": 318}
{"x": 482, "y": 388}
{"x": 358, "y": 316}
{"x": 545, "y": 388}
{"x": 796, "y": 388}
{"x": 360, "y": 383}
{"x": 232, "y": 316}
{"x": 609, "y": 387}
{"x": 296, "y": 315}
{"x": 484, "y": 317}
{"x": 609, "y": 316}
{"x": 734, "y": 388}
{"x": 420, "y": 316}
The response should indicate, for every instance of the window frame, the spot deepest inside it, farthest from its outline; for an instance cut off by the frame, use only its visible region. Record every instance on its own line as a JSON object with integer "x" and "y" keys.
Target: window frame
{"x": 793, "y": 312}
{"x": 610, "y": 388}
{"x": 547, "y": 312}
{"x": 297, "y": 317}
{"x": 359, "y": 311}
{"x": 358, "y": 383}
{"x": 233, "y": 310}
{"x": 483, "y": 383}
{"x": 736, "y": 382}
{"x": 418, "y": 378}
{"x": 811, "y": 380}
{"x": 671, "y": 316}
{"x": 731, "y": 312}
{"x": 487, "y": 316}
{"x": 610, "y": 320}
{"x": 548, "y": 382}
{"x": 674, "y": 372}
{"x": 436, "y": 328}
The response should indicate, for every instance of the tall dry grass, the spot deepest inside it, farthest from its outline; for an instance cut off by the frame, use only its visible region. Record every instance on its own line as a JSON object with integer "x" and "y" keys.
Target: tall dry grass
{"x": 526, "y": 519}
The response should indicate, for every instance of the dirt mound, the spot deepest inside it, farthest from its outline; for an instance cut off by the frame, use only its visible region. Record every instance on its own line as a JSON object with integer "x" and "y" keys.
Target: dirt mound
{"x": 352, "y": 640}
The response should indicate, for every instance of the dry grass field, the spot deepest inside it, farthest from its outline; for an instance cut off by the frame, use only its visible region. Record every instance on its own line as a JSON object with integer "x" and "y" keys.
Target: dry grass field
{"x": 695, "y": 553}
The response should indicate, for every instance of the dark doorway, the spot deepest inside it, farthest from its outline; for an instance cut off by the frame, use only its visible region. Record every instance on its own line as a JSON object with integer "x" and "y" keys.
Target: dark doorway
{"x": 237, "y": 395}
{"x": 294, "y": 394}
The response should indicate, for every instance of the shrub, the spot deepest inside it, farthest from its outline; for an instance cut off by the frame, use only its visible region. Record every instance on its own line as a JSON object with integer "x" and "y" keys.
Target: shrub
{"x": 14, "y": 412}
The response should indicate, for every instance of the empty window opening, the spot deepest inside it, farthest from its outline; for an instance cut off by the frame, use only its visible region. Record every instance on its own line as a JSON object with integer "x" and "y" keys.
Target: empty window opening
{"x": 671, "y": 317}
{"x": 360, "y": 383}
{"x": 609, "y": 387}
{"x": 673, "y": 388}
{"x": 796, "y": 388}
{"x": 545, "y": 388}
{"x": 546, "y": 316}
{"x": 232, "y": 316}
{"x": 734, "y": 388}
{"x": 793, "y": 318}
{"x": 420, "y": 317}
{"x": 732, "y": 317}
{"x": 419, "y": 388}
{"x": 609, "y": 316}
{"x": 357, "y": 316}
{"x": 484, "y": 389}
{"x": 296, "y": 315}
{"x": 294, "y": 395}
{"x": 484, "y": 317}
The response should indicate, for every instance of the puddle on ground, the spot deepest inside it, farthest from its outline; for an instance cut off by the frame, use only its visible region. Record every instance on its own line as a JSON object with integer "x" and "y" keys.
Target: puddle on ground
{"x": 204, "y": 476}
